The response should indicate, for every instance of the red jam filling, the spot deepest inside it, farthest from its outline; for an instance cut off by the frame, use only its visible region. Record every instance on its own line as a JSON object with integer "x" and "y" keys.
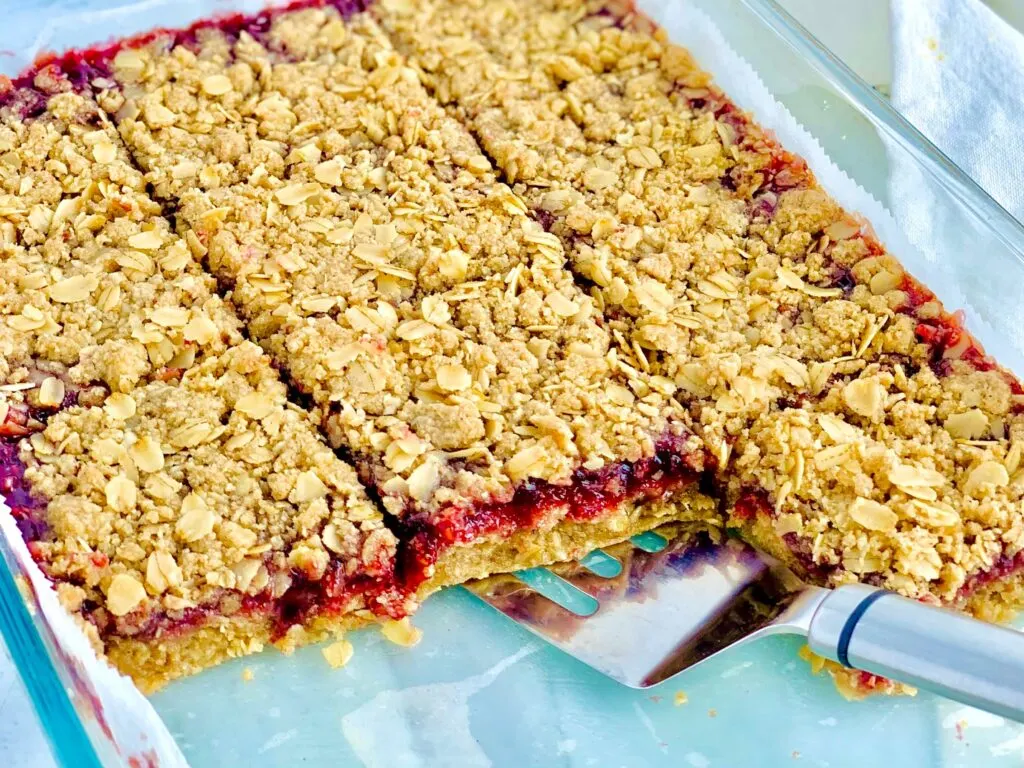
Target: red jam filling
{"x": 587, "y": 496}
{"x": 756, "y": 503}
{"x": 946, "y": 335}
{"x": 26, "y": 509}
{"x": 81, "y": 67}
{"x": 331, "y": 595}
{"x": 1004, "y": 566}
{"x": 751, "y": 504}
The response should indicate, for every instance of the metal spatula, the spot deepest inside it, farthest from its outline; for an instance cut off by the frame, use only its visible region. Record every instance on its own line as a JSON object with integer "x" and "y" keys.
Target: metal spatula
{"x": 644, "y": 612}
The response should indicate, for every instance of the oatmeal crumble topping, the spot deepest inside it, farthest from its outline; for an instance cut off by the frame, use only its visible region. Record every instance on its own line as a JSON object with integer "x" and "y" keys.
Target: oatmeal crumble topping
{"x": 527, "y": 267}
{"x": 96, "y": 292}
{"x": 377, "y": 257}
{"x": 882, "y": 443}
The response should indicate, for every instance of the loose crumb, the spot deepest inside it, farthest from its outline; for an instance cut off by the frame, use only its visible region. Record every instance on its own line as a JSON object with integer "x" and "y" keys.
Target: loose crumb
{"x": 338, "y": 653}
{"x": 248, "y": 674}
{"x": 402, "y": 633}
{"x": 680, "y": 698}
{"x": 712, "y": 712}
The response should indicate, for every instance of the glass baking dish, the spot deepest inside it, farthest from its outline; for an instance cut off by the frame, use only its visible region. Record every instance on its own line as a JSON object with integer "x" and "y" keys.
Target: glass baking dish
{"x": 480, "y": 691}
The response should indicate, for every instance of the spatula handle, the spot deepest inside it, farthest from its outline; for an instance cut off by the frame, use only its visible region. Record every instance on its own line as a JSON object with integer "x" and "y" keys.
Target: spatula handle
{"x": 975, "y": 663}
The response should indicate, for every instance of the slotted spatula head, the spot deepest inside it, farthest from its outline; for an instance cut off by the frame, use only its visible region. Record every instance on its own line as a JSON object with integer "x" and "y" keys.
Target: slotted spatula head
{"x": 643, "y": 611}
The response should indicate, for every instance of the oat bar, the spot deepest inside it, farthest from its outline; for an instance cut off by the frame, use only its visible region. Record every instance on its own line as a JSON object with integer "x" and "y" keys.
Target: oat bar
{"x": 407, "y": 293}
{"x": 185, "y": 510}
{"x": 862, "y": 434}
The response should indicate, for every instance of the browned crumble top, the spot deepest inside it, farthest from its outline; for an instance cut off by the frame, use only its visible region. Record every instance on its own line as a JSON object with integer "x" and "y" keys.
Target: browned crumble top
{"x": 164, "y": 494}
{"x": 377, "y": 257}
{"x": 623, "y": 255}
{"x": 198, "y": 492}
{"x": 878, "y": 469}
{"x": 92, "y": 278}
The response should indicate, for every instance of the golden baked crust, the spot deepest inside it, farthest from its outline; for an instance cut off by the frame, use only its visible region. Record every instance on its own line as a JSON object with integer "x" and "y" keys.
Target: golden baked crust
{"x": 859, "y": 429}
{"x": 522, "y": 264}
{"x": 567, "y": 540}
{"x": 152, "y": 663}
{"x": 378, "y": 258}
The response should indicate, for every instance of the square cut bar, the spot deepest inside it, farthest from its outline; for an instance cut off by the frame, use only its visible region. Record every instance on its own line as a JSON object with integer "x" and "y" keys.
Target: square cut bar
{"x": 97, "y": 294}
{"x": 861, "y": 433}
{"x": 184, "y": 509}
{"x": 408, "y": 294}
{"x": 196, "y": 520}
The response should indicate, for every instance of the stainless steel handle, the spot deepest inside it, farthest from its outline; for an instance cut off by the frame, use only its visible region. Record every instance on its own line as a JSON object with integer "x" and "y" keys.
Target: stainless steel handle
{"x": 933, "y": 648}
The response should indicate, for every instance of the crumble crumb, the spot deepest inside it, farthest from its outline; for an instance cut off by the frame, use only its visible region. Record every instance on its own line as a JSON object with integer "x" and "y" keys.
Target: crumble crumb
{"x": 338, "y": 653}
{"x": 854, "y": 684}
{"x": 402, "y": 632}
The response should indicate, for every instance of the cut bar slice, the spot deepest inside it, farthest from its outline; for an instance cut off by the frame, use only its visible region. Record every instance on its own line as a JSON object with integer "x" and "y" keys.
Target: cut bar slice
{"x": 184, "y": 509}
{"x": 196, "y": 520}
{"x": 94, "y": 287}
{"x": 408, "y": 294}
{"x": 861, "y": 433}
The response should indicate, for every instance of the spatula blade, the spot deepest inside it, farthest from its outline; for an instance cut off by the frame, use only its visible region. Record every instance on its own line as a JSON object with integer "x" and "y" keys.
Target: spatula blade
{"x": 662, "y": 613}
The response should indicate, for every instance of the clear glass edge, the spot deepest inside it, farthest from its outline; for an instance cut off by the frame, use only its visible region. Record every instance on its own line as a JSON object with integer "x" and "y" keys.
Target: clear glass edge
{"x": 36, "y": 664}
{"x": 886, "y": 118}
{"x": 68, "y": 740}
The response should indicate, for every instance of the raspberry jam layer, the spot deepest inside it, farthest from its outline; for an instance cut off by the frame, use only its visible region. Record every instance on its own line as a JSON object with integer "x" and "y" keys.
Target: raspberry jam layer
{"x": 589, "y": 495}
{"x": 946, "y": 336}
{"x": 20, "y": 421}
{"x": 80, "y": 68}
{"x": 26, "y": 509}
{"x": 1004, "y": 567}
{"x": 334, "y": 594}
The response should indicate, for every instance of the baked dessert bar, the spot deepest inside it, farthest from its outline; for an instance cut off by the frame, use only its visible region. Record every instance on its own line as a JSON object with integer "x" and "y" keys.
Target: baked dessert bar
{"x": 183, "y": 507}
{"x": 538, "y": 283}
{"x": 407, "y": 293}
{"x": 861, "y": 433}
{"x": 95, "y": 288}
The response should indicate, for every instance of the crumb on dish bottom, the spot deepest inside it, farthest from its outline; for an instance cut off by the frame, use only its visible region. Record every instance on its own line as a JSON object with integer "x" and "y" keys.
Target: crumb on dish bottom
{"x": 854, "y": 684}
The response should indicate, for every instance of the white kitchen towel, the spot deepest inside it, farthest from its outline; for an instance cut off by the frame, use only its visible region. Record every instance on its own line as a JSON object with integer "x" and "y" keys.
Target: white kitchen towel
{"x": 958, "y": 76}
